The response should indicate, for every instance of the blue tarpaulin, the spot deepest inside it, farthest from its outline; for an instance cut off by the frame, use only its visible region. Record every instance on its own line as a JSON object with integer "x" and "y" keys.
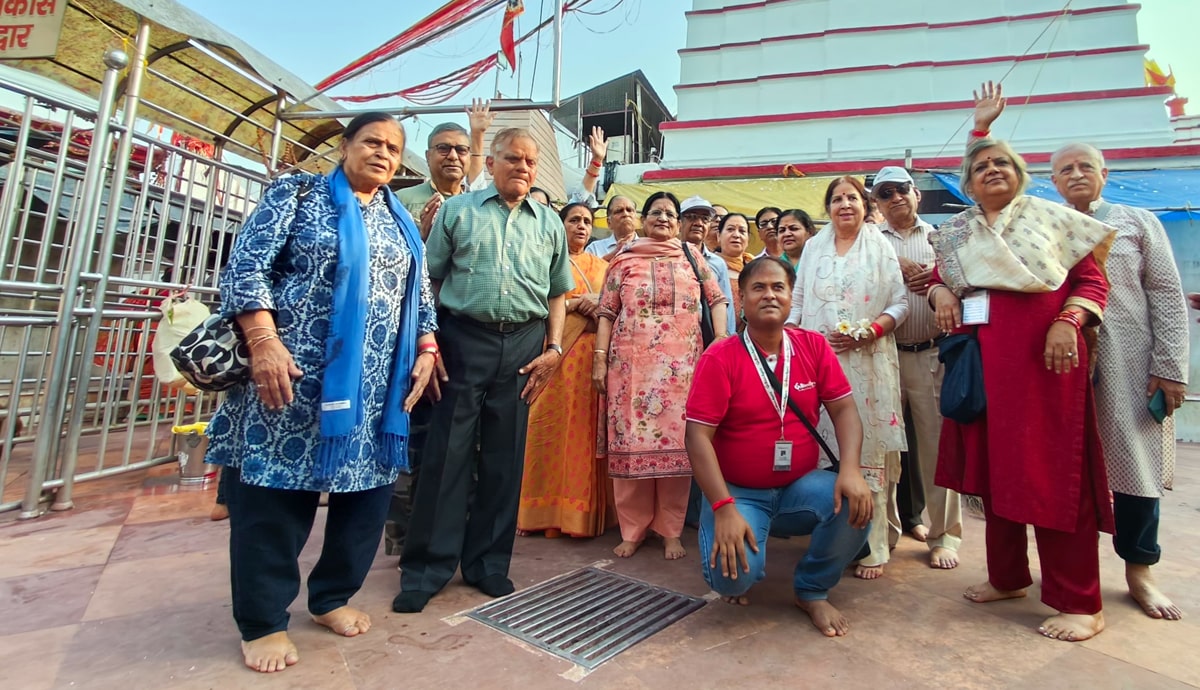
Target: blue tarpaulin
{"x": 1172, "y": 195}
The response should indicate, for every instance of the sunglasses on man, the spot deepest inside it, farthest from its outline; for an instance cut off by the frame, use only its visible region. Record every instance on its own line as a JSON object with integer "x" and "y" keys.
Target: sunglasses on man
{"x": 887, "y": 192}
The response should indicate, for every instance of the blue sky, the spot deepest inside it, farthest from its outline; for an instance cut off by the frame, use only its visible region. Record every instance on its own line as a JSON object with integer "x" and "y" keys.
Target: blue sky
{"x": 638, "y": 34}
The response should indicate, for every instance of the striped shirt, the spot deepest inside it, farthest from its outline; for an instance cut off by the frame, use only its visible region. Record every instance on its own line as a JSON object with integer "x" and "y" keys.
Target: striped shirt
{"x": 920, "y": 326}
{"x": 498, "y": 264}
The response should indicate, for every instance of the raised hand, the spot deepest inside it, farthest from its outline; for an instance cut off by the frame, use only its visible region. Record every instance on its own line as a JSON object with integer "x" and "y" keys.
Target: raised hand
{"x": 480, "y": 114}
{"x": 598, "y": 144}
{"x": 989, "y": 103}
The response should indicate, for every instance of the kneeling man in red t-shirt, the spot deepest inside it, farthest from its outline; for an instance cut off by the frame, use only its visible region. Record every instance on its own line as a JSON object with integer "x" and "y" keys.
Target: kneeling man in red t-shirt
{"x": 756, "y": 462}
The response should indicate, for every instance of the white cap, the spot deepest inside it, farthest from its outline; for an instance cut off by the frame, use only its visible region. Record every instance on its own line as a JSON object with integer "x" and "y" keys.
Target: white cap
{"x": 694, "y": 202}
{"x": 891, "y": 173}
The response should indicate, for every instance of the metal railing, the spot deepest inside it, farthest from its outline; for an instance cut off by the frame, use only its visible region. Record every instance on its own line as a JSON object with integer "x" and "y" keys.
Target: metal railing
{"x": 89, "y": 250}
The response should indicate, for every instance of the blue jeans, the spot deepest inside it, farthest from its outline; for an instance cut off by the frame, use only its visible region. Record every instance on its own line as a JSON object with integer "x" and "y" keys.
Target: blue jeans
{"x": 803, "y": 507}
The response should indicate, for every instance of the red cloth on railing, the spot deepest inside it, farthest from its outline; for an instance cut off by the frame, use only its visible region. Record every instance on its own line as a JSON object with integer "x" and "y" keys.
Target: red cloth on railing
{"x": 446, "y": 15}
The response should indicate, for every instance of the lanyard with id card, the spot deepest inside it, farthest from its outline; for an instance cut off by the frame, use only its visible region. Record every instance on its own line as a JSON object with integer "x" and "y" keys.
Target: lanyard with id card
{"x": 762, "y": 366}
{"x": 783, "y": 448}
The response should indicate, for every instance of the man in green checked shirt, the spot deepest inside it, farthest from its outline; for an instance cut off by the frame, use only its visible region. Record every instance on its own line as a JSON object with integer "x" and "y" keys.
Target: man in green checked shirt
{"x": 498, "y": 262}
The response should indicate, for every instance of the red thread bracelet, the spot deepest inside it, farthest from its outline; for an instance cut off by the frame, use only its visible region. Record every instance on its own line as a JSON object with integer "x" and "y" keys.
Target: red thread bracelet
{"x": 722, "y": 503}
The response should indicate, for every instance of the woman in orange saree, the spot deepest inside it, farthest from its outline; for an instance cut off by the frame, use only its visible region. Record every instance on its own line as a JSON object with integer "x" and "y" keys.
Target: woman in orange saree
{"x": 565, "y": 487}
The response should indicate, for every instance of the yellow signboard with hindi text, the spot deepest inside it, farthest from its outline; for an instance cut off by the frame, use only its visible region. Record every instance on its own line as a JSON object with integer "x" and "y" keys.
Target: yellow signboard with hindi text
{"x": 30, "y": 28}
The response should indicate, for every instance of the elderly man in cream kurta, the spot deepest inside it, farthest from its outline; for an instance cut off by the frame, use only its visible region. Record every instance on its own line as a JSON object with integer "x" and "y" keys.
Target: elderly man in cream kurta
{"x": 1143, "y": 349}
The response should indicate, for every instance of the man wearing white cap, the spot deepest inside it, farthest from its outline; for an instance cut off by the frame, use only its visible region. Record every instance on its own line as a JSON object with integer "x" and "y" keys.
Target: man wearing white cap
{"x": 696, "y": 215}
{"x": 897, "y": 197}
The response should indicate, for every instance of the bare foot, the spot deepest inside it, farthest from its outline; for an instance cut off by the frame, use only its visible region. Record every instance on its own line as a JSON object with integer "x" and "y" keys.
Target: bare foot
{"x": 920, "y": 533}
{"x": 271, "y": 653}
{"x": 1072, "y": 627}
{"x": 345, "y": 621}
{"x": 985, "y": 592}
{"x": 627, "y": 548}
{"x": 868, "y": 572}
{"x": 1147, "y": 594}
{"x": 739, "y": 601}
{"x": 673, "y": 548}
{"x": 219, "y": 512}
{"x": 825, "y": 617}
{"x": 943, "y": 558}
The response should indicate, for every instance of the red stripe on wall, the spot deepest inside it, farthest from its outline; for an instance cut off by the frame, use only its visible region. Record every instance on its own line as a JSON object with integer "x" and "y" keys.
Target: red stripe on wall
{"x": 893, "y": 27}
{"x": 922, "y": 63}
{"x": 1139, "y": 92}
{"x": 847, "y": 167}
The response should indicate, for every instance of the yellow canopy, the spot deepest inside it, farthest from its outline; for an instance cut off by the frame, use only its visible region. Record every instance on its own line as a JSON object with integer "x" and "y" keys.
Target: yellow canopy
{"x": 739, "y": 196}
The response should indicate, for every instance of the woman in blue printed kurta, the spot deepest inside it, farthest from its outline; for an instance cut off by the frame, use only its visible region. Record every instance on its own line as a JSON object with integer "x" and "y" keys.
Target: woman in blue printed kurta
{"x": 327, "y": 281}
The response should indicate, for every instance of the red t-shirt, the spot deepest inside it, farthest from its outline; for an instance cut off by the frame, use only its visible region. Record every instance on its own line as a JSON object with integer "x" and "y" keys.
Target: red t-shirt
{"x": 728, "y": 394}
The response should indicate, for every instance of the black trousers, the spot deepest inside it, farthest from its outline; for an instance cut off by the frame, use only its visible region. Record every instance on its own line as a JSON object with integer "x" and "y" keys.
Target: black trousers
{"x": 1135, "y": 538}
{"x": 403, "y": 492}
{"x": 267, "y": 530}
{"x": 910, "y": 491}
{"x": 483, "y": 395}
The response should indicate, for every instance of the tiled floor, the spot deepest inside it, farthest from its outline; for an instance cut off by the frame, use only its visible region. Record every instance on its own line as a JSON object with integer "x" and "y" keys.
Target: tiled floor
{"x": 130, "y": 590}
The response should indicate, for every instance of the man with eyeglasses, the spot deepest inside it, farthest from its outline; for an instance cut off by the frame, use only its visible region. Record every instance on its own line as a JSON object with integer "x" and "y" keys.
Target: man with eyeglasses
{"x": 767, "y": 223}
{"x": 696, "y": 215}
{"x": 897, "y": 197}
{"x": 454, "y": 158}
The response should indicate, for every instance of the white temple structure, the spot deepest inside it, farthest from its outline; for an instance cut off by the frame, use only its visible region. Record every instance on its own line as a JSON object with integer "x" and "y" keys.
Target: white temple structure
{"x": 845, "y": 85}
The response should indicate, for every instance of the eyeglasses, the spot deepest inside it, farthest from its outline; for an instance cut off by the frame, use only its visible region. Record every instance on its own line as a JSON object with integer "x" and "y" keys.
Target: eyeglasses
{"x": 718, "y": 219}
{"x": 887, "y": 192}
{"x": 768, "y": 222}
{"x": 705, "y": 217}
{"x": 444, "y": 150}
{"x": 667, "y": 215}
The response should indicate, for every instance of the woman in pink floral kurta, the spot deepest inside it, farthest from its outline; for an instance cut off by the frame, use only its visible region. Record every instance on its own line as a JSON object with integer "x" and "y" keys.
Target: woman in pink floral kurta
{"x": 647, "y": 345}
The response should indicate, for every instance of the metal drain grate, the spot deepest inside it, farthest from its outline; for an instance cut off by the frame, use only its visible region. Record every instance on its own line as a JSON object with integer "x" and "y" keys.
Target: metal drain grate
{"x": 588, "y": 616}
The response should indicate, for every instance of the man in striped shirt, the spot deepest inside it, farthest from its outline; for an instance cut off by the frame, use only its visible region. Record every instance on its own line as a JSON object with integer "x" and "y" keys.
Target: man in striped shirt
{"x": 897, "y": 197}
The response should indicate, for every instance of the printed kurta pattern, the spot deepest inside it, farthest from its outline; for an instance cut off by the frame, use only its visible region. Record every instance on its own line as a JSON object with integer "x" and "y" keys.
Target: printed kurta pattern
{"x": 656, "y": 341}
{"x": 1145, "y": 333}
{"x": 289, "y": 267}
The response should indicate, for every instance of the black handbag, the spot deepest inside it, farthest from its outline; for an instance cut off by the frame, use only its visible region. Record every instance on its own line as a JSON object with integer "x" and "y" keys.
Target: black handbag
{"x": 706, "y": 322}
{"x": 214, "y": 356}
{"x": 775, "y": 384}
{"x": 964, "y": 398}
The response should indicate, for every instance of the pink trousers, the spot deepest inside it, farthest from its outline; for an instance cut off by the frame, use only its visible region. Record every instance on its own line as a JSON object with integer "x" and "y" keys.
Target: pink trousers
{"x": 658, "y": 504}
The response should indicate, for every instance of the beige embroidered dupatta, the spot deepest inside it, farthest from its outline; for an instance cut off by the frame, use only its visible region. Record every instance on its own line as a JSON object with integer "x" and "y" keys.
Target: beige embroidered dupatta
{"x": 1031, "y": 247}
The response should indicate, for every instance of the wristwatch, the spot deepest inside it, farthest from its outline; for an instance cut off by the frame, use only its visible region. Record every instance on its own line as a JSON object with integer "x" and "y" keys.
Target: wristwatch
{"x": 556, "y": 347}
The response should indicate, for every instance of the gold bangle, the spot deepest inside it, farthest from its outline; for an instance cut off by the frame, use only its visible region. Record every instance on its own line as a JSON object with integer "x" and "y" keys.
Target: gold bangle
{"x": 600, "y": 352}
{"x": 253, "y": 342}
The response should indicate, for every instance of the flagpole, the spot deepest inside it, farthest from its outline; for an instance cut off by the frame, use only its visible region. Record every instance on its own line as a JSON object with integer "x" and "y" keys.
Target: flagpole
{"x": 558, "y": 26}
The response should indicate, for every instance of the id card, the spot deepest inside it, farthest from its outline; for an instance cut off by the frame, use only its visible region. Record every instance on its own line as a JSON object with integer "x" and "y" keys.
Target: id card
{"x": 975, "y": 308}
{"x": 783, "y": 456}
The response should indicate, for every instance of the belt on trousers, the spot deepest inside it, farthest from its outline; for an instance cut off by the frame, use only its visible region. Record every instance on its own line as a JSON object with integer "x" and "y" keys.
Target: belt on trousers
{"x": 496, "y": 326}
{"x": 920, "y": 347}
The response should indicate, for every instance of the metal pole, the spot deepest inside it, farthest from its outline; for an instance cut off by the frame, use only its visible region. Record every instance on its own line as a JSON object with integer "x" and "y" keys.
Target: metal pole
{"x": 276, "y": 133}
{"x": 108, "y": 241}
{"x": 558, "y": 26}
{"x": 46, "y": 446}
{"x": 15, "y": 185}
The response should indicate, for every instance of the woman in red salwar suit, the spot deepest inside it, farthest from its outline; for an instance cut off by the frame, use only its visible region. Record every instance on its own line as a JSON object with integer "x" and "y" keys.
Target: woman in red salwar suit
{"x": 1034, "y": 455}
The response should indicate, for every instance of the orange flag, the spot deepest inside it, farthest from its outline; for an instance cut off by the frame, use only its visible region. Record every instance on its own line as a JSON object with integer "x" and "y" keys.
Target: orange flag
{"x": 508, "y": 46}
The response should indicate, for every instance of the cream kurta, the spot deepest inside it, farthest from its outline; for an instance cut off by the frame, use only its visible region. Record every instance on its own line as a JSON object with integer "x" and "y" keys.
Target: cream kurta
{"x": 1145, "y": 333}
{"x": 863, "y": 284}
